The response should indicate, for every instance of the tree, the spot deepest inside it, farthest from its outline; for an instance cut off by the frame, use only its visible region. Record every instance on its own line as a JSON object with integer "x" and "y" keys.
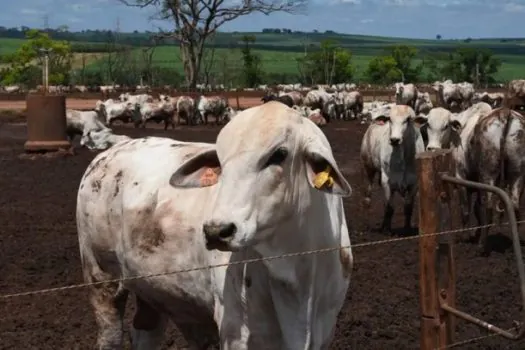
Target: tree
{"x": 329, "y": 65}
{"x": 383, "y": 70}
{"x": 252, "y": 62}
{"x": 209, "y": 63}
{"x": 404, "y": 56}
{"x": 147, "y": 62}
{"x": 438, "y": 37}
{"x": 476, "y": 65}
{"x": 196, "y": 20}
{"x": 21, "y": 63}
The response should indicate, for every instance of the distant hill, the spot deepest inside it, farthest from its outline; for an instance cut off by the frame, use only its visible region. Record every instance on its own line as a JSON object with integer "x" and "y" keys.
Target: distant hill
{"x": 279, "y": 49}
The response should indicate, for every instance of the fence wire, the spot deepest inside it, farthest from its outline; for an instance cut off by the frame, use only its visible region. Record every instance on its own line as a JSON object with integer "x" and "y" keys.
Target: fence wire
{"x": 247, "y": 261}
{"x": 282, "y": 256}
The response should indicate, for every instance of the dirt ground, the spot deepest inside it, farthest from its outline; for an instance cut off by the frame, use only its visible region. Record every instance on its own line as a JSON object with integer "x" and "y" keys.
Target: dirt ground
{"x": 39, "y": 249}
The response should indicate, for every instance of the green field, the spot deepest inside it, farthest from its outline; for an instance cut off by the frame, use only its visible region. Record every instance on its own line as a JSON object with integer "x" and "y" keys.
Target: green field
{"x": 279, "y": 51}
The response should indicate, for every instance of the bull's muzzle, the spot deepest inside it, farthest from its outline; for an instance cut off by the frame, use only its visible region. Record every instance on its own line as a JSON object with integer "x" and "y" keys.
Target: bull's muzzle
{"x": 218, "y": 236}
{"x": 394, "y": 141}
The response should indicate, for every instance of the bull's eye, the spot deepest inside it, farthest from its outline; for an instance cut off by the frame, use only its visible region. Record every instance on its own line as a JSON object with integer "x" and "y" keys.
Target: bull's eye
{"x": 277, "y": 157}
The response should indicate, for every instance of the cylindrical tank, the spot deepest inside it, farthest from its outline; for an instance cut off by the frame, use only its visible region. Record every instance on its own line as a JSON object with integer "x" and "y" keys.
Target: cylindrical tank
{"x": 46, "y": 123}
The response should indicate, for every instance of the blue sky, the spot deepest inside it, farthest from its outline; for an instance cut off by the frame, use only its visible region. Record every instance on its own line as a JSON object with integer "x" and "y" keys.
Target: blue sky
{"x": 403, "y": 18}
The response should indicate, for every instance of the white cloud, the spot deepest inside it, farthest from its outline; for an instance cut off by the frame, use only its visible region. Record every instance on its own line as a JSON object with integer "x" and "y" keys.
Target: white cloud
{"x": 74, "y": 20}
{"x": 30, "y": 12}
{"x": 367, "y": 20}
{"x": 513, "y": 7}
{"x": 402, "y": 2}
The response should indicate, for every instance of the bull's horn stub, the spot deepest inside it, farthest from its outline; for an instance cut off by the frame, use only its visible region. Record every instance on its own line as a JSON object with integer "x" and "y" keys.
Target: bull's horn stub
{"x": 324, "y": 178}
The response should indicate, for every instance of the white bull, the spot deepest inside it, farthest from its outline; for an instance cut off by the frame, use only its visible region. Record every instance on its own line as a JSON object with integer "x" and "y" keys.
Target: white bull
{"x": 101, "y": 139}
{"x": 438, "y": 129}
{"x": 389, "y": 147}
{"x": 162, "y": 111}
{"x": 491, "y": 151}
{"x": 134, "y": 99}
{"x": 82, "y": 122}
{"x": 406, "y": 94}
{"x": 111, "y": 110}
{"x": 269, "y": 186}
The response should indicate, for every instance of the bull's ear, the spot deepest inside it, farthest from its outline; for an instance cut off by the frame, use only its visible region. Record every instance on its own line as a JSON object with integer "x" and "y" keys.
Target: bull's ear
{"x": 420, "y": 120}
{"x": 455, "y": 125}
{"x": 202, "y": 170}
{"x": 380, "y": 119}
{"x": 322, "y": 171}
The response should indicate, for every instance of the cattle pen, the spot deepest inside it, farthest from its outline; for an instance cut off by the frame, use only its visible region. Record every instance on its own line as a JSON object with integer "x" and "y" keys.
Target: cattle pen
{"x": 404, "y": 291}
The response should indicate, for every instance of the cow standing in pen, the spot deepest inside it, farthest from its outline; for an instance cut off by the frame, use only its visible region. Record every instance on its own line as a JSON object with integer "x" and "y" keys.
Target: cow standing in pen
{"x": 269, "y": 186}
{"x": 389, "y": 148}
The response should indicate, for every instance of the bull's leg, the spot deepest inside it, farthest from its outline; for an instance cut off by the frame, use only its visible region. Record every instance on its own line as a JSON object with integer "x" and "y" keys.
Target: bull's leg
{"x": 485, "y": 208}
{"x": 148, "y": 327}
{"x": 516, "y": 192}
{"x": 386, "y": 226}
{"x": 370, "y": 174}
{"x": 465, "y": 198}
{"x": 109, "y": 302}
{"x": 409, "y": 207}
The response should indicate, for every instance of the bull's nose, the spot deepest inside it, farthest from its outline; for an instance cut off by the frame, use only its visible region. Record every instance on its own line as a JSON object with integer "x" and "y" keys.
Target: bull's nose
{"x": 219, "y": 233}
{"x": 394, "y": 141}
{"x": 430, "y": 148}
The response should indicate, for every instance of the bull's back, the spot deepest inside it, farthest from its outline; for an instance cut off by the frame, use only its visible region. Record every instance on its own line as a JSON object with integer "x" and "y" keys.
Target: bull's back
{"x": 371, "y": 151}
{"x": 122, "y": 182}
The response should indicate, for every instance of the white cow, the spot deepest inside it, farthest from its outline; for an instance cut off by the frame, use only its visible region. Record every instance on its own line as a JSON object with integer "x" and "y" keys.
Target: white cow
{"x": 494, "y": 99}
{"x": 389, "y": 147}
{"x": 134, "y": 99}
{"x": 439, "y": 130}
{"x": 81, "y": 122}
{"x": 423, "y": 103}
{"x": 186, "y": 110}
{"x": 406, "y": 94}
{"x": 160, "y": 111}
{"x": 101, "y": 139}
{"x": 452, "y": 95}
{"x": 492, "y": 151}
{"x": 111, "y": 110}
{"x": 269, "y": 186}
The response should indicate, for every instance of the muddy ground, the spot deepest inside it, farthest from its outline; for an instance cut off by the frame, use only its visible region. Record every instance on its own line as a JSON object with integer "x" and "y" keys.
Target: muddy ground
{"x": 39, "y": 249}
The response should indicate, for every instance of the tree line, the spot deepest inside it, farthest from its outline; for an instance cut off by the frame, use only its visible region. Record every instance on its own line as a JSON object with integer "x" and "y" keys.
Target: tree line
{"x": 329, "y": 64}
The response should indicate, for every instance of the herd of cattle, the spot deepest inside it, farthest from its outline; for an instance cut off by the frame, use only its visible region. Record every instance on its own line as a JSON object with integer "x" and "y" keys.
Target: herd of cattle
{"x": 279, "y": 193}
{"x": 488, "y": 143}
{"x": 318, "y": 104}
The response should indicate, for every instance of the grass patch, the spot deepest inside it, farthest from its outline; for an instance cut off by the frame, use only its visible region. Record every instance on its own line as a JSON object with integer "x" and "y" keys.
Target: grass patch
{"x": 280, "y": 51}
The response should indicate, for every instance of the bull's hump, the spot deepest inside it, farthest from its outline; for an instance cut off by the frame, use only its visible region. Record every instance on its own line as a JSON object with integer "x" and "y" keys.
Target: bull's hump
{"x": 259, "y": 127}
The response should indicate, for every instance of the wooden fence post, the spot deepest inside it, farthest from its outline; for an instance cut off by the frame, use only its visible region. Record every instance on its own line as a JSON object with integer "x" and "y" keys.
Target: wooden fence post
{"x": 436, "y": 285}
{"x": 237, "y": 98}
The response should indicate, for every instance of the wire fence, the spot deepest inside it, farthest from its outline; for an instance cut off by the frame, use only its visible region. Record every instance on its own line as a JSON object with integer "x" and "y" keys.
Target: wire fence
{"x": 269, "y": 258}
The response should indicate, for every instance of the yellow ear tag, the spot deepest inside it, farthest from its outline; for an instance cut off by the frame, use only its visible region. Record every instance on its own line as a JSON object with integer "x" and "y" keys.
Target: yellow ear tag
{"x": 324, "y": 178}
